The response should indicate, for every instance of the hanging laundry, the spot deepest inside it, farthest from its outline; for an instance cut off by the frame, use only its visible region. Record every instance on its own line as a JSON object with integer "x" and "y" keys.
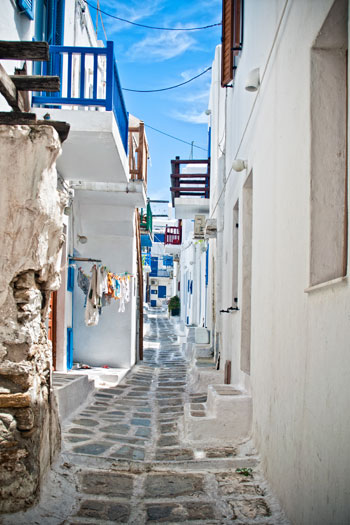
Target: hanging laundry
{"x": 91, "y": 310}
{"x": 122, "y": 296}
{"x": 83, "y": 281}
{"x": 100, "y": 288}
{"x": 102, "y": 281}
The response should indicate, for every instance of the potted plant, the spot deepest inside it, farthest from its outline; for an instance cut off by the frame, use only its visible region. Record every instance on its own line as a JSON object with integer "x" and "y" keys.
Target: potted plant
{"x": 174, "y": 305}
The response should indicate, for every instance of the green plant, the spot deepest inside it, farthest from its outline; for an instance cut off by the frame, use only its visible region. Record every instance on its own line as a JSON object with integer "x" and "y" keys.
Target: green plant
{"x": 245, "y": 471}
{"x": 174, "y": 303}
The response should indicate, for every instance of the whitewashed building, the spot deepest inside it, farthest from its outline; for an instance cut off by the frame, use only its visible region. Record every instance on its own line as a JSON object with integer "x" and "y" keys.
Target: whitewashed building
{"x": 278, "y": 265}
{"x": 104, "y": 182}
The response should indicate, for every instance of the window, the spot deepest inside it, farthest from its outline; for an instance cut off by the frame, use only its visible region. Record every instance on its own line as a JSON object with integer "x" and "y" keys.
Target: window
{"x": 26, "y": 7}
{"x": 328, "y": 189}
{"x": 232, "y": 38}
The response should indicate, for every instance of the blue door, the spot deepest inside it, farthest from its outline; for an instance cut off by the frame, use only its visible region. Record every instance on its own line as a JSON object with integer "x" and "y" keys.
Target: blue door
{"x": 69, "y": 348}
{"x": 161, "y": 292}
{"x": 153, "y": 302}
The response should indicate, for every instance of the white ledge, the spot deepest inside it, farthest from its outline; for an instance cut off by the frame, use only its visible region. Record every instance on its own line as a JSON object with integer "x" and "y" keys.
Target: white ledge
{"x": 326, "y": 284}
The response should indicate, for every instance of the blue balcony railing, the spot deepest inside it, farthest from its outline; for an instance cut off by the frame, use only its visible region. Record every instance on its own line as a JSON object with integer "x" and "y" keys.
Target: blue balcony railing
{"x": 89, "y": 77}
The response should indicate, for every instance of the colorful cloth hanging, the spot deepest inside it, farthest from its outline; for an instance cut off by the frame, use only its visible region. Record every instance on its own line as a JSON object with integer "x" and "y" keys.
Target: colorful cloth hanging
{"x": 100, "y": 288}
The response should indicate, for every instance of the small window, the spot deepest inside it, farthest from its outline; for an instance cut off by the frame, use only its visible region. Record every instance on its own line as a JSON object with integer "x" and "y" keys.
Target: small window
{"x": 232, "y": 38}
{"x": 26, "y": 7}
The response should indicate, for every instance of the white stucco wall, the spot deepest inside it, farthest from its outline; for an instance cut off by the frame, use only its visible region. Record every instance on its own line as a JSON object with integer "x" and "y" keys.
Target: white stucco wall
{"x": 299, "y": 341}
{"x": 109, "y": 228}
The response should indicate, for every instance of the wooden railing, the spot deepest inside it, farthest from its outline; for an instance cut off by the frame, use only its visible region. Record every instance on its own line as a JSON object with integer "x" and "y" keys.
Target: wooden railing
{"x": 138, "y": 153}
{"x": 189, "y": 184}
{"x": 173, "y": 234}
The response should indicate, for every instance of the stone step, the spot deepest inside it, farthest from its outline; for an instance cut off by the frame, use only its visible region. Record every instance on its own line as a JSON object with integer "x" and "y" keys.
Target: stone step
{"x": 71, "y": 391}
{"x": 226, "y": 417}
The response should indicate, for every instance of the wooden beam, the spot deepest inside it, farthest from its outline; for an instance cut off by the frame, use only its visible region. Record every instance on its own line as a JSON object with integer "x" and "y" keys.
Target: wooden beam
{"x": 16, "y": 118}
{"x": 9, "y": 91}
{"x": 62, "y": 128}
{"x": 190, "y": 161}
{"x": 23, "y": 95}
{"x": 140, "y": 281}
{"x": 190, "y": 176}
{"x": 24, "y": 51}
{"x": 36, "y": 82}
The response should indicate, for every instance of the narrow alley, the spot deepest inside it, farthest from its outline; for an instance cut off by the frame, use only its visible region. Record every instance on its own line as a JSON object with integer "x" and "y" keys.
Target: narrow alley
{"x": 123, "y": 458}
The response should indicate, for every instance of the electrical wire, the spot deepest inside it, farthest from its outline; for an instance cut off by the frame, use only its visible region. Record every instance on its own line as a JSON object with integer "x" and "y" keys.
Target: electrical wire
{"x": 167, "y": 88}
{"x": 153, "y": 27}
{"x": 175, "y": 138}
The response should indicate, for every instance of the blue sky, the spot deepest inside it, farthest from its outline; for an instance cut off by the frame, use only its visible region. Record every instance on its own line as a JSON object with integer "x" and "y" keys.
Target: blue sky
{"x": 150, "y": 59}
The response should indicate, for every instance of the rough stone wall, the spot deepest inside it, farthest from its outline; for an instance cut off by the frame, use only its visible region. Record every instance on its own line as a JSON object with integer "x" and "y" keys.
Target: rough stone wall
{"x": 30, "y": 243}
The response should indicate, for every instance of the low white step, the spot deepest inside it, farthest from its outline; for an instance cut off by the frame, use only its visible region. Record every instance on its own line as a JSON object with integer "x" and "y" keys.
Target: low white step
{"x": 226, "y": 418}
{"x": 71, "y": 391}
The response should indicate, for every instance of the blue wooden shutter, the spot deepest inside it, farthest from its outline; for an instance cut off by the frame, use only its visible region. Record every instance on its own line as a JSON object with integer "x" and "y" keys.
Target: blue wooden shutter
{"x": 154, "y": 267}
{"x": 70, "y": 279}
{"x": 26, "y": 6}
{"x": 59, "y": 29}
{"x": 69, "y": 348}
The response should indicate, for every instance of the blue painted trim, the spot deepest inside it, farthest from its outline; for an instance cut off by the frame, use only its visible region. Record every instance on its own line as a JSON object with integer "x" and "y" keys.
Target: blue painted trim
{"x": 71, "y": 101}
{"x": 209, "y": 141}
{"x": 70, "y": 348}
{"x": 82, "y": 75}
{"x": 114, "y": 100}
{"x": 70, "y": 279}
{"x": 94, "y": 82}
{"x": 207, "y": 266}
{"x": 109, "y": 76}
{"x": 69, "y": 76}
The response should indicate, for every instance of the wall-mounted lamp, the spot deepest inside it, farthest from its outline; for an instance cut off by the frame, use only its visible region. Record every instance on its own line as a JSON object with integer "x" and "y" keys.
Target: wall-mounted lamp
{"x": 207, "y": 112}
{"x": 239, "y": 165}
{"x": 253, "y": 80}
{"x": 82, "y": 239}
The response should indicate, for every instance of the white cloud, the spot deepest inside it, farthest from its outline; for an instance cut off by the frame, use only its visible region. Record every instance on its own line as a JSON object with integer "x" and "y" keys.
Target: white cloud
{"x": 132, "y": 11}
{"x": 162, "y": 46}
{"x": 194, "y": 116}
{"x": 159, "y": 194}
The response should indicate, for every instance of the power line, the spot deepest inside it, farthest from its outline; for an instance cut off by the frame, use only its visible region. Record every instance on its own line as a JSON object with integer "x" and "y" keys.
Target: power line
{"x": 153, "y": 27}
{"x": 167, "y": 88}
{"x": 176, "y": 138}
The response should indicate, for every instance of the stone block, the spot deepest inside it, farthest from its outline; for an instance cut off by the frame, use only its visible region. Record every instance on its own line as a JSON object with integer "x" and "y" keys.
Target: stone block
{"x": 113, "y": 484}
{"x": 14, "y": 400}
{"x": 24, "y": 418}
{"x": 173, "y": 485}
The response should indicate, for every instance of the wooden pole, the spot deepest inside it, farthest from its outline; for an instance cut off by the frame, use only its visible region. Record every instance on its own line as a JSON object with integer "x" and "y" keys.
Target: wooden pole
{"x": 140, "y": 281}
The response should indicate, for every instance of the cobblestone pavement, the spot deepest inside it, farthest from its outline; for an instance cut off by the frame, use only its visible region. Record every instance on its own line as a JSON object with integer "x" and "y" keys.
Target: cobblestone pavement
{"x": 123, "y": 460}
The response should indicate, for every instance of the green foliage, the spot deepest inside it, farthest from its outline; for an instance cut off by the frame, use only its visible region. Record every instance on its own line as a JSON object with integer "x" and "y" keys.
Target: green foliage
{"x": 174, "y": 303}
{"x": 245, "y": 471}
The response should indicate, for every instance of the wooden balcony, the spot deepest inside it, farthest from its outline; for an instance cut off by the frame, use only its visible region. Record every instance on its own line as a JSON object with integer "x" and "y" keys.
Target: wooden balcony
{"x": 189, "y": 183}
{"x": 173, "y": 234}
{"x": 138, "y": 150}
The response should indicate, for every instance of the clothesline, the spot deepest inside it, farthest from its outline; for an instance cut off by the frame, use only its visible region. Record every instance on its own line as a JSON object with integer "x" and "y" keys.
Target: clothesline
{"x": 100, "y": 288}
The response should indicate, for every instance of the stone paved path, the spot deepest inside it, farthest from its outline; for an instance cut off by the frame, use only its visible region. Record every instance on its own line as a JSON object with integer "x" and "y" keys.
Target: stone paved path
{"x": 123, "y": 460}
